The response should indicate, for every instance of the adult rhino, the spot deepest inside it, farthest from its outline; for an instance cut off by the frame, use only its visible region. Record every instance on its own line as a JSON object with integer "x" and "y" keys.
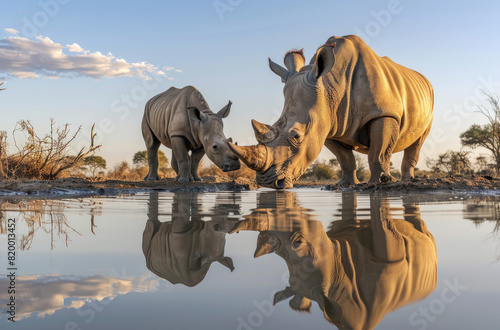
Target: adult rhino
{"x": 181, "y": 120}
{"x": 348, "y": 98}
{"x": 359, "y": 270}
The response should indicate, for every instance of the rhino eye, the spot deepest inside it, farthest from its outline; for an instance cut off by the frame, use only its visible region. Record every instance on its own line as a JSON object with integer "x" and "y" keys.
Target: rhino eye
{"x": 297, "y": 241}
{"x": 215, "y": 147}
{"x": 295, "y": 137}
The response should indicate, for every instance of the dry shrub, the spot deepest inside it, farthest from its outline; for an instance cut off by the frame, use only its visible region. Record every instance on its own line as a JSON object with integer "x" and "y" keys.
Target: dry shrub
{"x": 123, "y": 171}
{"x": 42, "y": 157}
{"x": 213, "y": 170}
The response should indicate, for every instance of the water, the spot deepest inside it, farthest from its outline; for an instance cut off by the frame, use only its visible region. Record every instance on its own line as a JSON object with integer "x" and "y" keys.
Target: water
{"x": 164, "y": 261}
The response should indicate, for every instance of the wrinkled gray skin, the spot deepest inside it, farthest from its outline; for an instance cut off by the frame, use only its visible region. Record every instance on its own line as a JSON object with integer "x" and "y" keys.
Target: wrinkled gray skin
{"x": 358, "y": 271}
{"x": 181, "y": 119}
{"x": 182, "y": 250}
{"x": 348, "y": 98}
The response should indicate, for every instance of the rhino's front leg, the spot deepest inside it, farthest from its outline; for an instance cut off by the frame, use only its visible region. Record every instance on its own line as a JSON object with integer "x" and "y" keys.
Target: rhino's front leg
{"x": 180, "y": 150}
{"x": 347, "y": 162}
{"x": 384, "y": 133}
{"x": 196, "y": 157}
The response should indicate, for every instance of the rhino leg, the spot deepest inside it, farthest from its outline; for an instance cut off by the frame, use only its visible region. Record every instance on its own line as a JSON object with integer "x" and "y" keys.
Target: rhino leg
{"x": 152, "y": 152}
{"x": 153, "y": 163}
{"x": 345, "y": 156}
{"x": 180, "y": 150}
{"x": 152, "y": 146}
{"x": 411, "y": 155}
{"x": 388, "y": 244}
{"x": 196, "y": 157}
{"x": 175, "y": 166}
{"x": 383, "y": 133}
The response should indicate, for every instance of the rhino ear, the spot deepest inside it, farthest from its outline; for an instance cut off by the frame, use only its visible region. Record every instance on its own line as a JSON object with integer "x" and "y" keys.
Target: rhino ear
{"x": 195, "y": 115}
{"x": 324, "y": 61}
{"x": 279, "y": 70}
{"x": 294, "y": 60}
{"x": 227, "y": 262}
{"x": 224, "y": 112}
{"x": 282, "y": 295}
{"x": 332, "y": 312}
{"x": 300, "y": 304}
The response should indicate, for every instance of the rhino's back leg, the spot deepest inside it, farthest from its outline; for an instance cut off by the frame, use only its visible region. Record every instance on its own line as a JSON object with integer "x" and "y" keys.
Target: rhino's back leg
{"x": 175, "y": 166}
{"x": 152, "y": 146}
{"x": 347, "y": 162}
{"x": 384, "y": 134}
{"x": 388, "y": 244}
{"x": 411, "y": 155}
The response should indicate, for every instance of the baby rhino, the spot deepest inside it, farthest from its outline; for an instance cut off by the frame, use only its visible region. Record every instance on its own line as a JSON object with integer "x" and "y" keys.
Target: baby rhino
{"x": 182, "y": 120}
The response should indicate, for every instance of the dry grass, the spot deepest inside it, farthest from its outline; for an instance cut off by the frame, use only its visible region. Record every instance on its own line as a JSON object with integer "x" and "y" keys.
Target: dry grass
{"x": 42, "y": 157}
{"x": 123, "y": 171}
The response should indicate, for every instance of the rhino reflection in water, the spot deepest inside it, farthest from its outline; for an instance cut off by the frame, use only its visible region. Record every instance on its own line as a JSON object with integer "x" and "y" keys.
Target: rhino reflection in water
{"x": 182, "y": 250}
{"x": 348, "y": 98}
{"x": 359, "y": 270}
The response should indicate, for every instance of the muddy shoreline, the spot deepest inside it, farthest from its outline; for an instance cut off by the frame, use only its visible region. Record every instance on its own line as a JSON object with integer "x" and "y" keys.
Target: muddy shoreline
{"x": 77, "y": 187}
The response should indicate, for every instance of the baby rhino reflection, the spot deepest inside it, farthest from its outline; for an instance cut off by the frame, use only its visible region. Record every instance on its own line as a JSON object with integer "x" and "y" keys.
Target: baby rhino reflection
{"x": 182, "y": 250}
{"x": 358, "y": 271}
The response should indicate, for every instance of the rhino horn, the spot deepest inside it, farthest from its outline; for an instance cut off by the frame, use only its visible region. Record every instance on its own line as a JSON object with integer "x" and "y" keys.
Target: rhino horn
{"x": 227, "y": 262}
{"x": 240, "y": 225}
{"x": 224, "y": 112}
{"x": 283, "y": 294}
{"x": 252, "y": 224}
{"x": 255, "y": 157}
{"x": 263, "y": 133}
{"x": 266, "y": 243}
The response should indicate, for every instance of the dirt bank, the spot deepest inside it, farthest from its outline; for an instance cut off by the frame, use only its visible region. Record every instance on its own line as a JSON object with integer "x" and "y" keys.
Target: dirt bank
{"x": 78, "y": 186}
{"x": 474, "y": 184}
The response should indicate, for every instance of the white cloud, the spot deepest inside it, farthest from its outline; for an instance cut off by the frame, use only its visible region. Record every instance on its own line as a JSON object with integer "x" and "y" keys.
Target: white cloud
{"x": 41, "y": 57}
{"x": 75, "y": 48}
{"x": 11, "y": 31}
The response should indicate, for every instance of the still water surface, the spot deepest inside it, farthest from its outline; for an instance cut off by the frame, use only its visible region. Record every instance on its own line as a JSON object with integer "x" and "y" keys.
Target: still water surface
{"x": 220, "y": 260}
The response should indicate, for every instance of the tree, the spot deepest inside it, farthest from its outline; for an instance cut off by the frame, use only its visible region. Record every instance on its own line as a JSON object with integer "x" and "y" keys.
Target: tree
{"x": 94, "y": 163}
{"x": 141, "y": 159}
{"x": 451, "y": 162}
{"x": 323, "y": 171}
{"x": 488, "y": 135}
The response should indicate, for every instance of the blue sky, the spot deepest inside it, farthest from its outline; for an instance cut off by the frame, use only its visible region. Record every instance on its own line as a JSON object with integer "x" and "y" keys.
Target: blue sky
{"x": 221, "y": 47}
